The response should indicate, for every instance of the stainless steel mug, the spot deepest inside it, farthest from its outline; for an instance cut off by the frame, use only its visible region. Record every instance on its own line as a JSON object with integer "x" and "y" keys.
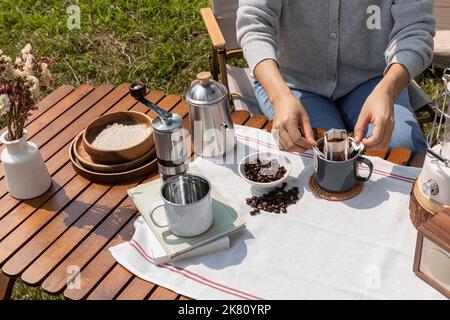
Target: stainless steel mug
{"x": 187, "y": 201}
{"x": 340, "y": 176}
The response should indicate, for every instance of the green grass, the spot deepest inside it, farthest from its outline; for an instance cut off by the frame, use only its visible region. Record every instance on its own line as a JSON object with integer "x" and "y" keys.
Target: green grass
{"x": 160, "y": 42}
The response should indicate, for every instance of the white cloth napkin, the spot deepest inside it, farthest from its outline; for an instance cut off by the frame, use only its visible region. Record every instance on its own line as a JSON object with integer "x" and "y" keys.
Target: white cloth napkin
{"x": 362, "y": 248}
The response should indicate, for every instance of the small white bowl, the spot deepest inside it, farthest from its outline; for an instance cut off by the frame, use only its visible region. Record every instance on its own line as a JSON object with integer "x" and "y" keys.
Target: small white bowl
{"x": 265, "y": 156}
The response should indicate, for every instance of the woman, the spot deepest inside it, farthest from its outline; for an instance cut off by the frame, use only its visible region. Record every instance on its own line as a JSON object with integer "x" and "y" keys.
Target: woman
{"x": 342, "y": 64}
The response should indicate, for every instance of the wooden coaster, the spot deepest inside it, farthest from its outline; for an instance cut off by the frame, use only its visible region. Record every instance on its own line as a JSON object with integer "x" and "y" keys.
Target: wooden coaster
{"x": 334, "y": 196}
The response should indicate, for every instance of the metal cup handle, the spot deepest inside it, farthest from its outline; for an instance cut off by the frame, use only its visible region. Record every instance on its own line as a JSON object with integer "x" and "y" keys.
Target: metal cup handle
{"x": 368, "y": 163}
{"x": 159, "y": 205}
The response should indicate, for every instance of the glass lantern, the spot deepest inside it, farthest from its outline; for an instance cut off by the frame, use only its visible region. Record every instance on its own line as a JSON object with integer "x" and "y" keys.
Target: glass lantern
{"x": 439, "y": 134}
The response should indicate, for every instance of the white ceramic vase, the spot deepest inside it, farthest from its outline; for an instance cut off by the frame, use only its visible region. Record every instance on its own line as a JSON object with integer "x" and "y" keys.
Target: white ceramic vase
{"x": 24, "y": 169}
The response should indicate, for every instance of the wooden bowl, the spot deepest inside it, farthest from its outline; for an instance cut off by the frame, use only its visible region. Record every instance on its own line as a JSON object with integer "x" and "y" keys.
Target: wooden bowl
{"x": 87, "y": 162}
{"x": 119, "y": 154}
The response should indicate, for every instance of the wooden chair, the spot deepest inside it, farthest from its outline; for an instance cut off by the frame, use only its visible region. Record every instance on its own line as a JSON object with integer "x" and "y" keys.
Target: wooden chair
{"x": 220, "y": 22}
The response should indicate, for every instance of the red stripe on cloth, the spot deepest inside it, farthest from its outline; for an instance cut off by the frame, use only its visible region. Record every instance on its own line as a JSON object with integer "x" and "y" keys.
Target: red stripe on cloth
{"x": 193, "y": 276}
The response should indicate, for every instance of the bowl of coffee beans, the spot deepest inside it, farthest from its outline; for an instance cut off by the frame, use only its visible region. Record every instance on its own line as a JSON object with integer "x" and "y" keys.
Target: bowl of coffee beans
{"x": 265, "y": 170}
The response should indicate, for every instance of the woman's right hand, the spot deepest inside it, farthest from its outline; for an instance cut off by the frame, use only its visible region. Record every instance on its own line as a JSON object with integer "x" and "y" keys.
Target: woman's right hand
{"x": 291, "y": 126}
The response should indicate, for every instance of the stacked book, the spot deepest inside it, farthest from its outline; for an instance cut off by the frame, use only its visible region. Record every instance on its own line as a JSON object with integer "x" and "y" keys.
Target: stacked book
{"x": 167, "y": 246}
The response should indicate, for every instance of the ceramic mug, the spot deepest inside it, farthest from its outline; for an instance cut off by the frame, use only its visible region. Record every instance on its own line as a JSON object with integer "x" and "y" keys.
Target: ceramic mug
{"x": 340, "y": 176}
{"x": 187, "y": 202}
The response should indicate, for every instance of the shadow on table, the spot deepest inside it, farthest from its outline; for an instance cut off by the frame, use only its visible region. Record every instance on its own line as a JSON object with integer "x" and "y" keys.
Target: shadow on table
{"x": 103, "y": 218}
{"x": 224, "y": 258}
{"x": 371, "y": 197}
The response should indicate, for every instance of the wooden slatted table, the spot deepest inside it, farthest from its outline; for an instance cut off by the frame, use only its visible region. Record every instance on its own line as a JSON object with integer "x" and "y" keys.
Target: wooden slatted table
{"x": 44, "y": 241}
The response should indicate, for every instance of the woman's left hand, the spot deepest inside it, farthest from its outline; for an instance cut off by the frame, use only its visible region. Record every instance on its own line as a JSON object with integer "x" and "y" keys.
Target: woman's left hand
{"x": 378, "y": 110}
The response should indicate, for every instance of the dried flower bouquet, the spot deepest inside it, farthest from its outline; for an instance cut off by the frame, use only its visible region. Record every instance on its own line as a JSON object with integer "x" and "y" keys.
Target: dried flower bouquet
{"x": 21, "y": 85}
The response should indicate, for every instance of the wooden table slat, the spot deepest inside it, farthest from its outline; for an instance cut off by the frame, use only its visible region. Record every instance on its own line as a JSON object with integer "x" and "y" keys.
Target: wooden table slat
{"x": 6, "y": 286}
{"x": 377, "y": 153}
{"x": 137, "y": 289}
{"x": 92, "y": 272}
{"x": 240, "y": 116}
{"x": 400, "y": 156}
{"x": 258, "y": 121}
{"x": 113, "y": 283}
{"x": 268, "y": 126}
{"x": 49, "y": 101}
{"x": 161, "y": 293}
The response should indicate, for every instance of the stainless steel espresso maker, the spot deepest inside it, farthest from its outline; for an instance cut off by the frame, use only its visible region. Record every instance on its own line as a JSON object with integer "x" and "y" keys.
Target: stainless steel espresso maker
{"x": 170, "y": 136}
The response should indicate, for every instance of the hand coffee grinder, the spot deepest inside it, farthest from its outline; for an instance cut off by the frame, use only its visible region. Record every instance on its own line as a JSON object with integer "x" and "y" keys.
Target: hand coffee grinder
{"x": 431, "y": 192}
{"x": 170, "y": 136}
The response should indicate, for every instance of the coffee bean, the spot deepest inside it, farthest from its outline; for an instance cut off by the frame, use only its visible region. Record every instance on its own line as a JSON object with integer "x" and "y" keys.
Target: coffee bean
{"x": 264, "y": 171}
{"x": 276, "y": 200}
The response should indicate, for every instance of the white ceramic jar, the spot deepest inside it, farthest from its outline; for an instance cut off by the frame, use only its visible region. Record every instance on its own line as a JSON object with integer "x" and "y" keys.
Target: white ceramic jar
{"x": 24, "y": 169}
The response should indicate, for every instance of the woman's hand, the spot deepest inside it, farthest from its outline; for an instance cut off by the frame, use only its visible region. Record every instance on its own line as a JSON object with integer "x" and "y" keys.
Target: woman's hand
{"x": 378, "y": 110}
{"x": 291, "y": 125}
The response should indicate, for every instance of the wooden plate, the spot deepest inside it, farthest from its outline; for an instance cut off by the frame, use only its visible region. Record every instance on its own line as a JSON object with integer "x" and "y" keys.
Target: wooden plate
{"x": 87, "y": 162}
{"x": 109, "y": 178}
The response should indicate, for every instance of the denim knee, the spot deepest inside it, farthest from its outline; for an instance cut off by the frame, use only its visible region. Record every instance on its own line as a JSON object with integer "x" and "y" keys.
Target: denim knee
{"x": 412, "y": 139}
{"x": 407, "y": 132}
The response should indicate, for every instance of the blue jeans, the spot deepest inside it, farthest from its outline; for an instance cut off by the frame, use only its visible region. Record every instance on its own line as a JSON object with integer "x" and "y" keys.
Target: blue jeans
{"x": 343, "y": 113}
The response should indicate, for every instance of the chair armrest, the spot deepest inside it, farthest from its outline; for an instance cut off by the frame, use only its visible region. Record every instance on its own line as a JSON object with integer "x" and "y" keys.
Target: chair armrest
{"x": 215, "y": 34}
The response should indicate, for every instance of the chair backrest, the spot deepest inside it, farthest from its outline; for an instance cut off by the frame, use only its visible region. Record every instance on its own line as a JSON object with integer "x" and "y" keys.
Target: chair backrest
{"x": 225, "y": 13}
{"x": 442, "y": 14}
